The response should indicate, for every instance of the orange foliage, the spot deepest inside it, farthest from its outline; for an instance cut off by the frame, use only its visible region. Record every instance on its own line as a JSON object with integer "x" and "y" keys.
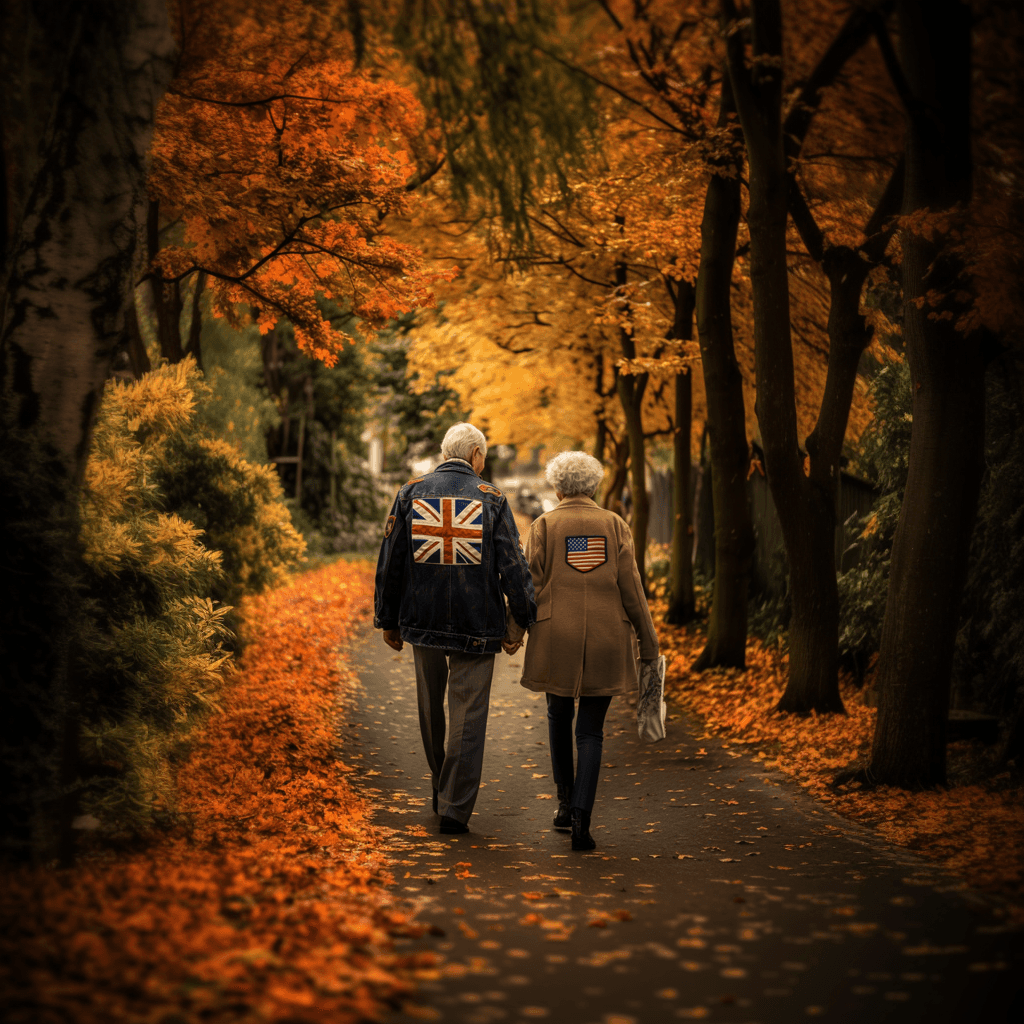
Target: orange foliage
{"x": 269, "y": 907}
{"x": 281, "y": 159}
{"x": 975, "y": 831}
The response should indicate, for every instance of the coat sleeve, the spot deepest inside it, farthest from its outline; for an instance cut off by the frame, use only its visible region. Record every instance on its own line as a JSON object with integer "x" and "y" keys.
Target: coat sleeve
{"x": 536, "y": 549}
{"x": 390, "y": 580}
{"x": 634, "y": 600}
{"x": 513, "y": 571}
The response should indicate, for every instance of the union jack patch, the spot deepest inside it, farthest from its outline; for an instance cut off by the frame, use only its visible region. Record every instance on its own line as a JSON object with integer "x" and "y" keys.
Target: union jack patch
{"x": 585, "y": 554}
{"x": 447, "y": 531}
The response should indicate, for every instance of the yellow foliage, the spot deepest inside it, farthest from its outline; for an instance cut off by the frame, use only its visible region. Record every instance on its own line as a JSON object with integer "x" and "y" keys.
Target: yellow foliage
{"x": 172, "y": 522}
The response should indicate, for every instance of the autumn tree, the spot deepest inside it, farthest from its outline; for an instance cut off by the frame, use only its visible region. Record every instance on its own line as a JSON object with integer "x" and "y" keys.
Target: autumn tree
{"x": 276, "y": 162}
{"x": 80, "y": 85}
{"x": 929, "y": 558}
{"x": 723, "y": 385}
{"x": 805, "y": 500}
{"x": 667, "y": 68}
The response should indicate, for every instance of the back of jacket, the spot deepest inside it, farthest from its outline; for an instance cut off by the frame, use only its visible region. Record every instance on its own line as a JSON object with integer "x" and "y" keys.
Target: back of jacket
{"x": 450, "y": 552}
{"x": 591, "y": 609}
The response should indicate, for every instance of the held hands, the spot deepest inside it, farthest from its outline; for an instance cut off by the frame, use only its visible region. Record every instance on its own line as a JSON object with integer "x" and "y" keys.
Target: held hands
{"x": 393, "y": 639}
{"x": 514, "y": 634}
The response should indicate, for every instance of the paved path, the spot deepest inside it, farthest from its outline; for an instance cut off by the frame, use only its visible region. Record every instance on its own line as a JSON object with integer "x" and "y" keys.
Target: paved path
{"x": 718, "y": 891}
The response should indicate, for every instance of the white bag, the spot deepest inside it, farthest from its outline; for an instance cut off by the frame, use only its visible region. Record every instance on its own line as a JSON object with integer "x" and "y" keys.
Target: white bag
{"x": 650, "y": 705}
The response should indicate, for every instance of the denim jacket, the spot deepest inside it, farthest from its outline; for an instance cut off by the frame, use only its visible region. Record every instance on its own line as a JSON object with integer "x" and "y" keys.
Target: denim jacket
{"x": 450, "y": 551}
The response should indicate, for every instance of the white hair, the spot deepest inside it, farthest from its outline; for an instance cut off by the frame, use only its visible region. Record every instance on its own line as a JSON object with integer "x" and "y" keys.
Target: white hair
{"x": 460, "y": 441}
{"x": 573, "y": 473}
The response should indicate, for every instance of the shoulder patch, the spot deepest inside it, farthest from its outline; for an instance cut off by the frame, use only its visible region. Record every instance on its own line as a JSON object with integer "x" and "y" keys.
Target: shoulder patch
{"x": 389, "y": 526}
{"x": 414, "y": 480}
{"x": 488, "y": 489}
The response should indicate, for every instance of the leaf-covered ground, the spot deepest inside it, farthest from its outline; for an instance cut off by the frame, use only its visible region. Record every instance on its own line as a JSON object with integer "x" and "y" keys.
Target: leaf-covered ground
{"x": 271, "y": 904}
{"x": 975, "y": 831}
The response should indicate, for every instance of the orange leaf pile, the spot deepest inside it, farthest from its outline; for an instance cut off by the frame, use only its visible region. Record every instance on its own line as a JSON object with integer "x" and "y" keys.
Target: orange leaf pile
{"x": 976, "y": 831}
{"x": 271, "y": 906}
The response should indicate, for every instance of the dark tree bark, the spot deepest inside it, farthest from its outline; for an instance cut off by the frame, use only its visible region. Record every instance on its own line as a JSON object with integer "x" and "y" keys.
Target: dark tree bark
{"x": 167, "y": 305}
{"x": 929, "y": 557}
{"x": 137, "y": 353}
{"x": 81, "y": 84}
{"x": 600, "y": 439}
{"x": 813, "y": 654}
{"x": 726, "y": 416}
{"x": 847, "y": 270}
{"x": 680, "y": 581}
{"x": 806, "y": 502}
{"x": 613, "y": 496}
{"x": 195, "y": 330}
{"x": 601, "y": 433}
{"x": 630, "y": 389}
{"x": 78, "y": 201}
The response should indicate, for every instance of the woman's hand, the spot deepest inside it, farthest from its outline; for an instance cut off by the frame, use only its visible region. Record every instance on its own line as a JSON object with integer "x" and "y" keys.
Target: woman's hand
{"x": 511, "y": 648}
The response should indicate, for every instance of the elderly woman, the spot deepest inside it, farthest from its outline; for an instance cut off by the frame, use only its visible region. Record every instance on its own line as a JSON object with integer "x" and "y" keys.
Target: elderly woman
{"x": 591, "y": 610}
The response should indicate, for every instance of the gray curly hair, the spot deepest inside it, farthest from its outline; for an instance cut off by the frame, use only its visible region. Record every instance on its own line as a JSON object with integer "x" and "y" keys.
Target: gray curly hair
{"x": 460, "y": 440}
{"x": 574, "y": 473}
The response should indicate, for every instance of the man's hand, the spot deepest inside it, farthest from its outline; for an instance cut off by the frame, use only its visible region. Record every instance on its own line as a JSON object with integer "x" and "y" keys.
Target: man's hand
{"x": 514, "y": 634}
{"x": 393, "y": 639}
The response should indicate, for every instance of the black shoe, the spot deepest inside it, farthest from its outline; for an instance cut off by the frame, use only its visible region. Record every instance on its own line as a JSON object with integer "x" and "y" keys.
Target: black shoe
{"x": 563, "y": 820}
{"x": 581, "y": 837}
{"x": 451, "y": 827}
{"x": 435, "y": 801}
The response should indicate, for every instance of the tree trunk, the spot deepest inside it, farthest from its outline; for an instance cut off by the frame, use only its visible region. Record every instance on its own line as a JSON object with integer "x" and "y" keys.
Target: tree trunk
{"x": 137, "y": 353}
{"x": 681, "y": 608}
{"x": 613, "y": 496}
{"x": 810, "y": 515}
{"x": 813, "y": 683}
{"x": 167, "y": 305}
{"x": 680, "y": 581}
{"x": 630, "y": 389}
{"x": 83, "y": 84}
{"x": 726, "y": 416}
{"x": 631, "y": 395}
{"x": 73, "y": 256}
{"x": 600, "y": 439}
{"x": 929, "y": 556}
{"x": 195, "y": 328}
{"x": 601, "y": 433}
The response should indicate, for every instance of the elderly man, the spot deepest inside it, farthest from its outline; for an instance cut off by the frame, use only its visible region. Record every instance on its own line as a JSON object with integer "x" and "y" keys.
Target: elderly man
{"x": 451, "y": 550}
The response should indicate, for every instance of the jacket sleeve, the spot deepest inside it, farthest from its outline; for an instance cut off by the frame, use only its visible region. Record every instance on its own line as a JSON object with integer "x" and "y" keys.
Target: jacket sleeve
{"x": 514, "y": 573}
{"x": 390, "y": 580}
{"x": 536, "y": 549}
{"x": 634, "y": 601}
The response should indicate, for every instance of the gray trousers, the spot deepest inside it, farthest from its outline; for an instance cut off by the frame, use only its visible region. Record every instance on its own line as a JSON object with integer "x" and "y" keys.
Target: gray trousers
{"x": 454, "y": 769}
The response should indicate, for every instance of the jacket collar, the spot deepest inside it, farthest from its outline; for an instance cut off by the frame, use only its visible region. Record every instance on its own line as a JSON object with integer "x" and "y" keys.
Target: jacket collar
{"x": 456, "y": 466}
{"x": 578, "y": 500}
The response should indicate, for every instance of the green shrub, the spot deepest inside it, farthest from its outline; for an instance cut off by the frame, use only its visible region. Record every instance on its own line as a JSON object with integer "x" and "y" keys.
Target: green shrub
{"x": 237, "y": 407}
{"x": 173, "y": 522}
{"x": 884, "y": 459}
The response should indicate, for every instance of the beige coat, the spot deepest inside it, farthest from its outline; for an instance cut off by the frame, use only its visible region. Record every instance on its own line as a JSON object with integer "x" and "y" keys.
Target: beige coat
{"x": 590, "y": 614}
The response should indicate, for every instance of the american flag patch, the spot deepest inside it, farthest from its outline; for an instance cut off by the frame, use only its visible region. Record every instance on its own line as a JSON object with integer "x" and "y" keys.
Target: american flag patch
{"x": 447, "y": 531}
{"x": 586, "y": 553}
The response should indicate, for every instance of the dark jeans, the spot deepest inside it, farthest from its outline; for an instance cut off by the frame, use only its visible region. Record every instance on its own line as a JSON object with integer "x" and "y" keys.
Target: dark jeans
{"x": 589, "y": 738}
